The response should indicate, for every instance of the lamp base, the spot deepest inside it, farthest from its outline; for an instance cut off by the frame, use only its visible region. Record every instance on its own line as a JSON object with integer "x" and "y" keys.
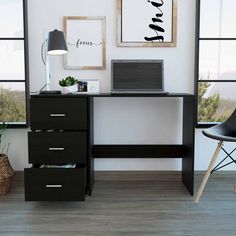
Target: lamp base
{"x": 50, "y": 92}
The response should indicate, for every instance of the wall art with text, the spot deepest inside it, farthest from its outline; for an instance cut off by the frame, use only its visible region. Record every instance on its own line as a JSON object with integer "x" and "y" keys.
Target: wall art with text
{"x": 86, "y": 41}
{"x": 146, "y": 23}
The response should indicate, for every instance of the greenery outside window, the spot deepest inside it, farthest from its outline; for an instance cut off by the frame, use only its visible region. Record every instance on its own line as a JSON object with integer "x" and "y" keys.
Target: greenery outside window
{"x": 14, "y": 63}
{"x": 215, "y": 71}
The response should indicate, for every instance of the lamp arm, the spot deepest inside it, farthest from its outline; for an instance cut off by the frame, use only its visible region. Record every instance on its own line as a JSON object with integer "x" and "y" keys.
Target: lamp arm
{"x": 45, "y": 60}
{"x": 42, "y": 88}
{"x": 43, "y": 52}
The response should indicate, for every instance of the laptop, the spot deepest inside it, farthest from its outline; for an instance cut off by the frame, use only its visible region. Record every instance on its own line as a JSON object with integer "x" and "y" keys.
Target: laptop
{"x": 137, "y": 76}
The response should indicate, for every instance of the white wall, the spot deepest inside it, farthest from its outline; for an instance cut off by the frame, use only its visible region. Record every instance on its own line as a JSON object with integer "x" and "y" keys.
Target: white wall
{"x": 139, "y": 118}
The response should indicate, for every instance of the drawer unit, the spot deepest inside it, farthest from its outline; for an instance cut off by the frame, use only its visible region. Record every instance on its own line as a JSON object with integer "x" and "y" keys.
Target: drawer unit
{"x": 61, "y": 133}
{"x": 57, "y": 147}
{"x": 55, "y": 184}
{"x": 47, "y": 113}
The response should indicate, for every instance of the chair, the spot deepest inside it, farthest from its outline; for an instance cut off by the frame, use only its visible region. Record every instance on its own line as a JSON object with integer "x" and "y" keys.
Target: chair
{"x": 224, "y": 132}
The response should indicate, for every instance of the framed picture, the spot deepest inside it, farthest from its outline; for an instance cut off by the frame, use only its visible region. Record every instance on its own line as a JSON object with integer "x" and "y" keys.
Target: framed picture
{"x": 88, "y": 86}
{"x": 146, "y": 23}
{"x": 85, "y": 37}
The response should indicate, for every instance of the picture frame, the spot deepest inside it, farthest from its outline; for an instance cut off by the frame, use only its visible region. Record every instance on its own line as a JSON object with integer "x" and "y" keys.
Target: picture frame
{"x": 86, "y": 42}
{"x": 88, "y": 87}
{"x": 146, "y": 23}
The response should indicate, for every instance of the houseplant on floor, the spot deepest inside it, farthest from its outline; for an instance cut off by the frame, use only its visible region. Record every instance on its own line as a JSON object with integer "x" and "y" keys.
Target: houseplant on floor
{"x": 6, "y": 171}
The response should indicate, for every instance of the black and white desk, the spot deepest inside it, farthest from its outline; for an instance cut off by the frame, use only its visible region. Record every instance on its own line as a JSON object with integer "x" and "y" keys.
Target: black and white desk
{"x": 73, "y": 116}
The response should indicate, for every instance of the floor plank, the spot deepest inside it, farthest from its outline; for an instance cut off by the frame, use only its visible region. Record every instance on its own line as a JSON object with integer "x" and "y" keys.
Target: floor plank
{"x": 126, "y": 203}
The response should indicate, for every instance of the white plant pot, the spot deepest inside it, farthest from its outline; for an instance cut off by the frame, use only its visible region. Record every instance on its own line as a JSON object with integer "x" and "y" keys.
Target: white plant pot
{"x": 70, "y": 89}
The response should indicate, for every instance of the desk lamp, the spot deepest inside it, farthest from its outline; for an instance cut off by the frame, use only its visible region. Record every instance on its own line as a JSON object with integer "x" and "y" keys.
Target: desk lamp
{"x": 54, "y": 45}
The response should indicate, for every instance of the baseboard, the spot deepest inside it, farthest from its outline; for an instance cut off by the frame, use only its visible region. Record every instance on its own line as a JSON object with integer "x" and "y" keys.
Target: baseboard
{"x": 137, "y": 175}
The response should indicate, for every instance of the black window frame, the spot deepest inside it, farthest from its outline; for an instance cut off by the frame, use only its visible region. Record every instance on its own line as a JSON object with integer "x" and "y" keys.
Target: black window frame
{"x": 196, "y": 69}
{"x": 26, "y": 60}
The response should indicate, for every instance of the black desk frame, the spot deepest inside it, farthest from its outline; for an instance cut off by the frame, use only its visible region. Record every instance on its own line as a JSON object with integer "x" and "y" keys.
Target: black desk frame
{"x": 184, "y": 151}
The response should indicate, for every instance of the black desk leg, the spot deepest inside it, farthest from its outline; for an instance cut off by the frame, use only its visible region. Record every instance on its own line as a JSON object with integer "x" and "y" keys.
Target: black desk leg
{"x": 90, "y": 143}
{"x": 188, "y": 142}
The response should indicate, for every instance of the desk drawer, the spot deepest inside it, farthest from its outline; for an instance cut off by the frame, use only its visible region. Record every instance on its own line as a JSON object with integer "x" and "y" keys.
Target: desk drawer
{"x": 57, "y": 147}
{"x": 55, "y": 184}
{"x": 58, "y": 113}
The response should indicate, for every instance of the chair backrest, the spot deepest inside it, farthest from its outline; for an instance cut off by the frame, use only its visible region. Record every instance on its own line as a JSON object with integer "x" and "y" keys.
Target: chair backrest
{"x": 230, "y": 123}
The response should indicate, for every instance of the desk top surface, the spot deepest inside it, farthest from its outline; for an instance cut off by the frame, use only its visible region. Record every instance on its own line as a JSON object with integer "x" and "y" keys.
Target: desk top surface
{"x": 113, "y": 95}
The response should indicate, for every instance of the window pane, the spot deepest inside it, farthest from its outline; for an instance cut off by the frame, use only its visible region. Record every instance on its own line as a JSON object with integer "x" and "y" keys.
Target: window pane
{"x": 12, "y": 102}
{"x": 217, "y": 60}
{"x": 11, "y": 18}
{"x": 216, "y": 101}
{"x": 217, "y": 17}
{"x": 12, "y": 60}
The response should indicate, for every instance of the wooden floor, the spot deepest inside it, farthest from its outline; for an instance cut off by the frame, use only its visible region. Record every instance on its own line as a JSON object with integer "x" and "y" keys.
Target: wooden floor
{"x": 135, "y": 204}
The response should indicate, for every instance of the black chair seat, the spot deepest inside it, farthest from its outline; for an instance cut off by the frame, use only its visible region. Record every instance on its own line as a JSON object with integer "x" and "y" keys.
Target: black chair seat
{"x": 226, "y": 131}
{"x": 220, "y": 134}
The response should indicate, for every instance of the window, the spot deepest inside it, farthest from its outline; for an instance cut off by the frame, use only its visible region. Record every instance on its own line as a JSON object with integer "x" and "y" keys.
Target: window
{"x": 215, "y": 60}
{"x": 13, "y": 63}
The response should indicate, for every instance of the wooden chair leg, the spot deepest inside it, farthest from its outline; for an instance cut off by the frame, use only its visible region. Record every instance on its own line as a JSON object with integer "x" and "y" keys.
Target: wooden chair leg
{"x": 208, "y": 172}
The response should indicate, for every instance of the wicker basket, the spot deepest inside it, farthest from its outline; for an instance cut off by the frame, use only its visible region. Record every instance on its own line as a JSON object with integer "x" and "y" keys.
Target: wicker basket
{"x": 6, "y": 174}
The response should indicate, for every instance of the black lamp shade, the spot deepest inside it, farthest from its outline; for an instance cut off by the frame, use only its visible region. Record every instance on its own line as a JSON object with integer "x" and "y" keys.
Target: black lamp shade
{"x": 56, "y": 43}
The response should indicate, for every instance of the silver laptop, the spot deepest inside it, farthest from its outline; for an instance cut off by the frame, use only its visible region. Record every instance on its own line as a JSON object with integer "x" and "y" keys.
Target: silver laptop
{"x": 137, "y": 76}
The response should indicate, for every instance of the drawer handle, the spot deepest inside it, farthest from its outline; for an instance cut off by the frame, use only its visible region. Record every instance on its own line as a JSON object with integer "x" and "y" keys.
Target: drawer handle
{"x": 53, "y": 185}
{"x": 56, "y": 149}
{"x": 57, "y": 115}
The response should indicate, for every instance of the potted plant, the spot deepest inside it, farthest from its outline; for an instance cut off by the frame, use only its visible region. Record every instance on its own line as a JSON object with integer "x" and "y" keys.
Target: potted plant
{"x": 69, "y": 84}
{"x": 3, "y": 126}
{"x": 6, "y": 171}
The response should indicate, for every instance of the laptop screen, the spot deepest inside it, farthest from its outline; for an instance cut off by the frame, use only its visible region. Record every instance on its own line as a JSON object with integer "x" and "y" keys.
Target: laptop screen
{"x": 128, "y": 75}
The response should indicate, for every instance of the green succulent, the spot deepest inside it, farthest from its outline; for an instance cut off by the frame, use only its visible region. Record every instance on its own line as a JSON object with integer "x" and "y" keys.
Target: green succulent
{"x": 68, "y": 81}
